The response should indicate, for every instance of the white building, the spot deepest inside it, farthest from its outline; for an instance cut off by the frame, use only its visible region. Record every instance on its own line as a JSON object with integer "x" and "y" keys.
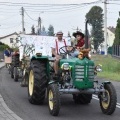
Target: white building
{"x": 10, "y": 39}
{"x": 110, "y": 38}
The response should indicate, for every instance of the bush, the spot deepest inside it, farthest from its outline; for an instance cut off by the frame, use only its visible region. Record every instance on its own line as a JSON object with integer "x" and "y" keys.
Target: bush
{"x": 3, "y": 47}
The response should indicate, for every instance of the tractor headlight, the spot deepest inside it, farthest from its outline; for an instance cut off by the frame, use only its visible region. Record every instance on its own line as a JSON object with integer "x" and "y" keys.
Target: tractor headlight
{"x": 65, "y": 66}
{"x": 98, "y": 68}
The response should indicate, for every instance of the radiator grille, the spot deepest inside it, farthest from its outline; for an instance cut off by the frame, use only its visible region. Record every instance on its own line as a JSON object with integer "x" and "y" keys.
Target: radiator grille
{"x": 80, "y": 73}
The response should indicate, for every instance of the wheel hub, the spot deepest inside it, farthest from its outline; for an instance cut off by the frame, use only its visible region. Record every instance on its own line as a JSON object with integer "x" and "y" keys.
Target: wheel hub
{"x": 106, "y": 100}
{"x": 51, "y": 99}
{"x": 31, "y": 83}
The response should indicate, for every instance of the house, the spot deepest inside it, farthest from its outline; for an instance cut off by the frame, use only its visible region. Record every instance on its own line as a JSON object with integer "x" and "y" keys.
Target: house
{"x": 10, "y": 39}
{"x": 110, "y": 38}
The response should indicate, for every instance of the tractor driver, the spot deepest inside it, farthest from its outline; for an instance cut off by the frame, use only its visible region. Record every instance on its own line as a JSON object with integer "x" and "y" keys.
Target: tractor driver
{"x": 59, "y": 42}
{"x": 78, "y": 43}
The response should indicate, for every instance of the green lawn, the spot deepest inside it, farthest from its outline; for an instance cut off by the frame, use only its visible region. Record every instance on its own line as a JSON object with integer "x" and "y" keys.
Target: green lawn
{"x": 110, "y": 67}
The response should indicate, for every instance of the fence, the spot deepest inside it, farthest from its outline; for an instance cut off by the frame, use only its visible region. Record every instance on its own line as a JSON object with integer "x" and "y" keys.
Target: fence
{"x": 116, "y": 51}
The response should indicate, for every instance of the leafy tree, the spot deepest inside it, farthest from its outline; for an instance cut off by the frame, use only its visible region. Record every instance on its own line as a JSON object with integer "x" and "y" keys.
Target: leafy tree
{"x": 95, "y": 17}
{"x": 51, "y": 30}
{"x": 3, "y": 46}
{"x": 33, "y": 30}
{"x": 117, "y": 33}
{"x": 43, "y": 29}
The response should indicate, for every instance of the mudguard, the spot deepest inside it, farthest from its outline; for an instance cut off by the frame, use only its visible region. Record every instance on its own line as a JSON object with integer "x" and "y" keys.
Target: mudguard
{"x": 106, "y": 82}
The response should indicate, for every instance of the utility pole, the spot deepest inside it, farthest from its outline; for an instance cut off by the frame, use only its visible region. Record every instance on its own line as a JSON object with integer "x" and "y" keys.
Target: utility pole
{"x": 23, "y": 29}
{"x": 39, "y": 25}
{"x": 105, "y": 25}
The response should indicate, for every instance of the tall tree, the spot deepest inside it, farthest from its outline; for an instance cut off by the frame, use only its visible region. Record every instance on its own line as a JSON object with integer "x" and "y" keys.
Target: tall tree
{"x": 117, "y": 33}
{"x": 51, "y": 30}
{"x": 95, "y": 17}
{"x": 43, "y": 29}
{"x": 33, "y": 30}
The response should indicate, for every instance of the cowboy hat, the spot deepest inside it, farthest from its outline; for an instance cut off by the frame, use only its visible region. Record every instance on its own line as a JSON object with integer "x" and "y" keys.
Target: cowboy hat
{"x": 78, "y": 33}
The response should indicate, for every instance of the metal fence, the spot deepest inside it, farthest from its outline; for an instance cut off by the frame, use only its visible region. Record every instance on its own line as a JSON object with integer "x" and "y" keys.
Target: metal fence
{"x": 116, "y": 51}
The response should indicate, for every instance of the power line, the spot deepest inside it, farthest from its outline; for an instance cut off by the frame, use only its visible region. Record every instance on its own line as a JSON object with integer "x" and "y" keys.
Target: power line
{"x": 114, "y": 3}
{"x": 29, "y": 16}
{"x": 115, "y": 0}
{"x": 58, "y": 11}
{"x": 46, "y": 4}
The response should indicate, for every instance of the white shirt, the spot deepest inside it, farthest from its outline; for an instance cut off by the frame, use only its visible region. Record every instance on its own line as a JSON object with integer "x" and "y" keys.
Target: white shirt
{"x": 60, "y": 44}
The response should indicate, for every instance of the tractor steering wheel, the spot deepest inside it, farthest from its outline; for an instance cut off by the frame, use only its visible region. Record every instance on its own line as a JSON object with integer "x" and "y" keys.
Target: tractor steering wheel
{"x": 64, "y": 50}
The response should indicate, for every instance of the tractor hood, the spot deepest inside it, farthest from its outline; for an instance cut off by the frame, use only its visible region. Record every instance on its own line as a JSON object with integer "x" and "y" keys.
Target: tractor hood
{"x": 77, "y": 61}
{"x": 82, "y": 72}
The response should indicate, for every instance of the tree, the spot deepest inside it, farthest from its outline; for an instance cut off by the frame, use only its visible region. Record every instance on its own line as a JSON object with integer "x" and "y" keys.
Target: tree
{"x": 117, "y": 33}
{"x": 43, "y": 29}
{"x": 33, "y": 30}
{"x": 95, "y": 17}
{"x": 51, "y": 30}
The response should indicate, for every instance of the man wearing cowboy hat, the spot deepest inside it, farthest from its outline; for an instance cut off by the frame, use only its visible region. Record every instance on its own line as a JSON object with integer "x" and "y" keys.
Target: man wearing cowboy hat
{"x": 59, "y": 42}
{"x": 79, "y": 42}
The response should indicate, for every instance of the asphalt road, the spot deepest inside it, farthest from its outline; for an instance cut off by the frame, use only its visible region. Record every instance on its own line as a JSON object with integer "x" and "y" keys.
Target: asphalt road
{"x": 16, "y": 99}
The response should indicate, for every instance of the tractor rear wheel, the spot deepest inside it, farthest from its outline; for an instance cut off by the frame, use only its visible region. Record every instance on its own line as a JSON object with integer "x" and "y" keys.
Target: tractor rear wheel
{"x": 53, "y": 96}
{"x": 37, "y": 82}
{"x": 15, "y": 74}
{"x": 82, "y": 98}
{"x": 108, "y": 100}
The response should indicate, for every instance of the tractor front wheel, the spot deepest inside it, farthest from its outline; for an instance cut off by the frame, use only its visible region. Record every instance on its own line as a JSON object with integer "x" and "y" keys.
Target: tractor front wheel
{"x": 53, "y": 96}
{"x": 82, "y": 98}
{"x": 108, "y": 99}
{"x": 37, "y": 82}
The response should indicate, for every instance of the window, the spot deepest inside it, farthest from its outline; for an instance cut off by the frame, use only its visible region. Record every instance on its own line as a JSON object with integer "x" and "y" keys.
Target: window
{"x": 16, "y": 40}
{"x": 11, "y": 40}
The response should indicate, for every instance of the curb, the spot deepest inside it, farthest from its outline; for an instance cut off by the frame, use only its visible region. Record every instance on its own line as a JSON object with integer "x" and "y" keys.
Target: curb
{"x": 10, "y": 112}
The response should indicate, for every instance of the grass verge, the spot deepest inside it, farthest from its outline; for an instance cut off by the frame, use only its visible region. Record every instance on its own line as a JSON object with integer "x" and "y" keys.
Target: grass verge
{"x": 110, "y": 67}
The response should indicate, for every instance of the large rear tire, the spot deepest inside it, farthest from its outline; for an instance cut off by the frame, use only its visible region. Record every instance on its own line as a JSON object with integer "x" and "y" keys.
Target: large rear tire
{"x": 37, "y": 82}
{"x": 82, "y": 98}
{"x": 108, "y": 101}
{"x": 53, "y": 96}
{"x": 15, "y": 74}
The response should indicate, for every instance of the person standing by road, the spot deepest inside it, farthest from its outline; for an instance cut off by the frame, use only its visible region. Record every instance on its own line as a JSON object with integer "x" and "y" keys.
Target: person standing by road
{"x": 7, "y": 57}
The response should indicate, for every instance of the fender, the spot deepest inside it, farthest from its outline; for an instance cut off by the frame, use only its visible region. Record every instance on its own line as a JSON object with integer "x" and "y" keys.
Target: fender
{"x": 106, "y": 82}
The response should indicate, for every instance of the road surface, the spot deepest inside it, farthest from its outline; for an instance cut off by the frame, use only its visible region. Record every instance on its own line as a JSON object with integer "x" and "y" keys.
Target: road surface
{"x": 16, "y": 99}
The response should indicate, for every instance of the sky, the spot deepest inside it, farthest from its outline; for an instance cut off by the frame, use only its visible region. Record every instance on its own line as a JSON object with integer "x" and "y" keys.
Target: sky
{"x": 65, "y": 18}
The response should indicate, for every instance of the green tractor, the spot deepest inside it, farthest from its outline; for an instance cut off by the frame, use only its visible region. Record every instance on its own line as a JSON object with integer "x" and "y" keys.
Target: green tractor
{"x": 76, "y": 77}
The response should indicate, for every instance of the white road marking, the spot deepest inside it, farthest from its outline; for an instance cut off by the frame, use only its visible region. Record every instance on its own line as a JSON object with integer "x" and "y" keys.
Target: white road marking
{"x": 96, "y": 98}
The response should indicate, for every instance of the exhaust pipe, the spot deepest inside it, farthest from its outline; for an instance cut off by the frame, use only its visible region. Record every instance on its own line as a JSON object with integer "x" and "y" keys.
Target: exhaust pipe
{"x": 86, "y": 34}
